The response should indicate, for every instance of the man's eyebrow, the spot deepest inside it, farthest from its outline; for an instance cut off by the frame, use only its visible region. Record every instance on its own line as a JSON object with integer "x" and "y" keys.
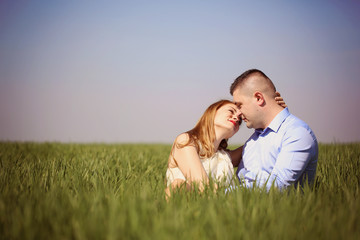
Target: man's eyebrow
{"x": 237, "y": 103}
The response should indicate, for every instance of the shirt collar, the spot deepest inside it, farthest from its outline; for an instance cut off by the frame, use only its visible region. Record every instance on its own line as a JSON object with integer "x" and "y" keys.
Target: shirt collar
{"x": 278, "y": 120}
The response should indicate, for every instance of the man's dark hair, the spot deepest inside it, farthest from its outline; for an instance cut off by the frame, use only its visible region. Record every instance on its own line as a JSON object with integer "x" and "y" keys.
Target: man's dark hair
{"x": 241, "y": 79}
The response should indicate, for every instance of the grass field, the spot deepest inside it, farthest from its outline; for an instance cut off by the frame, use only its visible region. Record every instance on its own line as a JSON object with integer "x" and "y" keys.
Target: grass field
{"x": 98, "y": 191}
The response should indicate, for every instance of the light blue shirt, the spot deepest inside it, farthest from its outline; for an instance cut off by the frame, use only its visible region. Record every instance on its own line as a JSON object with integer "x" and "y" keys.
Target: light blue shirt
{"x": 284, "y": 153}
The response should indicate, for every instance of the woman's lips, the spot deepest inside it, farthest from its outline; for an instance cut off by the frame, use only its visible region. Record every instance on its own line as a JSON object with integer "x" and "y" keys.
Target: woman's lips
{"x": 235, "y": 123}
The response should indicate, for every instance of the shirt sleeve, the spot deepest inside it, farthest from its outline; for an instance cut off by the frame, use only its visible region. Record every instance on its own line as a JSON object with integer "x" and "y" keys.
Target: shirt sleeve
{"x": 296, "y": 152}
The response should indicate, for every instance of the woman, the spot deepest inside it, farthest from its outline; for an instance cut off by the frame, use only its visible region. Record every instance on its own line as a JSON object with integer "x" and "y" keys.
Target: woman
{"x": 201, "y": 152}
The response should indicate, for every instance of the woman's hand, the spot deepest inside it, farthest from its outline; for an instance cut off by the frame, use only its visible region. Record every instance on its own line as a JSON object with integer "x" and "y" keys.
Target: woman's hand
{"x": 280, "y": 100}
{"x": 175, "y": 185}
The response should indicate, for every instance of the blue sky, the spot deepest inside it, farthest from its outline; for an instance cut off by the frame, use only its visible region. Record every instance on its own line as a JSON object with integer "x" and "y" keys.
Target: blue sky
{"x": 144, "y": 71}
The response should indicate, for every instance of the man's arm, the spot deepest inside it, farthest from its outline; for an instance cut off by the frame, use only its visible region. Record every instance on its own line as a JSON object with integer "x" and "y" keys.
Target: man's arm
{"x": 298, "y": 148}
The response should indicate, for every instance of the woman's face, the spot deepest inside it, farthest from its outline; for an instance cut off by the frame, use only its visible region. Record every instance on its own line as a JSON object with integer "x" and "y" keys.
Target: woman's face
{"x": 227, "y": 118}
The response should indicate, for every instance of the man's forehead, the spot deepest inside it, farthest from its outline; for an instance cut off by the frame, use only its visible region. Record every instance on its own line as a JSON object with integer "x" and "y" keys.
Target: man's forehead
{"x": 237, "y": 98}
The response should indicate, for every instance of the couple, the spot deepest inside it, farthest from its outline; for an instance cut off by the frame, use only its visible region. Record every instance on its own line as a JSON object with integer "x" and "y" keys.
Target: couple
{"x": 282, "y": 151}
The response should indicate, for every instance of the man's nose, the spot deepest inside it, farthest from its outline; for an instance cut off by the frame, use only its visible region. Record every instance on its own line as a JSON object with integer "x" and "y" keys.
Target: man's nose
{"x": 238, "y": 114}
{"x": 237, "y": 118}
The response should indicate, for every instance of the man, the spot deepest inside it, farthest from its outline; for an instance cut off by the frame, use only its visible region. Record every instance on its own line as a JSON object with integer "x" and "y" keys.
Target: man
{"x": 283, "y": 149}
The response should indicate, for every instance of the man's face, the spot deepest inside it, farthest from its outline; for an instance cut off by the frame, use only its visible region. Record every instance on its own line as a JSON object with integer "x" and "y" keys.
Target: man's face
{"x": 247, "y": 106}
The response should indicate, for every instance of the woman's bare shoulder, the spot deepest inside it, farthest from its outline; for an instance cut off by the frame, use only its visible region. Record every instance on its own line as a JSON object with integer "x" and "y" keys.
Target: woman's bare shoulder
{"x": 183, "y": 150}
{"x": 183, "y": 138}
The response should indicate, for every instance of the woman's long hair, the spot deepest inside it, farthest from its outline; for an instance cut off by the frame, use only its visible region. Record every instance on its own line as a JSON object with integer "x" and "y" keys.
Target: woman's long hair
{"x": 203, "y": 134}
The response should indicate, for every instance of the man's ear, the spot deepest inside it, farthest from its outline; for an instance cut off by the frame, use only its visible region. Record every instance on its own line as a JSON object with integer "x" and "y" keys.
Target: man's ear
{"x": 260, "y": 100}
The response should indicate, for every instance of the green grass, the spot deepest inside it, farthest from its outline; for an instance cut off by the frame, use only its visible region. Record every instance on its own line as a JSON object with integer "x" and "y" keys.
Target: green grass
{"x": 98, "y": 191}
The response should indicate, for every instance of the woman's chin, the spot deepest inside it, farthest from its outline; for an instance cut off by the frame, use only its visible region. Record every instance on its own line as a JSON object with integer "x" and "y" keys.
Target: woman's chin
{"x": 232, "y": 133}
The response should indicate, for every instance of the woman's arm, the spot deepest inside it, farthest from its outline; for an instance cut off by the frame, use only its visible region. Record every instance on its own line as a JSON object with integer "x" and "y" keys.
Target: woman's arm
{"x": 236, "y": 156}
{"x": 280, "y": 100}
{"x": 189, "y": 162}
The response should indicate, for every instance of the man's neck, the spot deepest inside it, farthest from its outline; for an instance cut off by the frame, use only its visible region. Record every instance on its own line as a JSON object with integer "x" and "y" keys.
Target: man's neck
{"x": 272, "y": 112}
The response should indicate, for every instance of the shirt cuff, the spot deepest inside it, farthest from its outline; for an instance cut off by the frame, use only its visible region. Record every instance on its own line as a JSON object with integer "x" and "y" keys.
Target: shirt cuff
{"x": 246, "y": 177}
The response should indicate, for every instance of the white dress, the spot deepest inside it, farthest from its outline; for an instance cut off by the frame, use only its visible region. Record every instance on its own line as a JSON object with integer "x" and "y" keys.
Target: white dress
{"x": 217, "y": 167}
